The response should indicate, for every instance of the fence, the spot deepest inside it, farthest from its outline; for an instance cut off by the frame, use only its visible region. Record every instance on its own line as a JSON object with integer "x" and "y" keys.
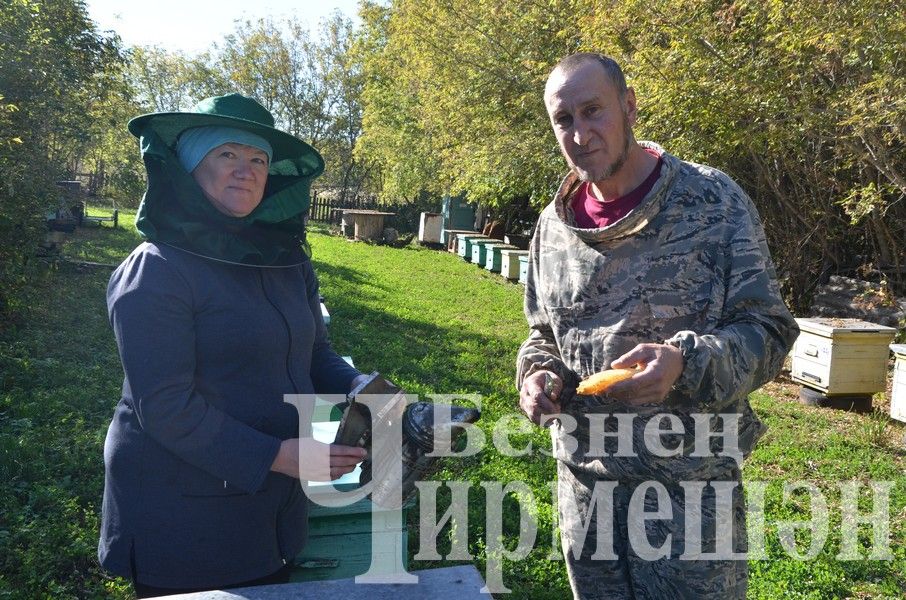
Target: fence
{"x": 327, "y": 209}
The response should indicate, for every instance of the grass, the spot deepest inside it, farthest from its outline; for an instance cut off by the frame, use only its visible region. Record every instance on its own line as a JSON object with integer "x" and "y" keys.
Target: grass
{"x": 433, "y": 324}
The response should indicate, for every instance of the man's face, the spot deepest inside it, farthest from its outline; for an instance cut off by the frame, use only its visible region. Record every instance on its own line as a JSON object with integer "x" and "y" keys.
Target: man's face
{"x": 592, "y": 125}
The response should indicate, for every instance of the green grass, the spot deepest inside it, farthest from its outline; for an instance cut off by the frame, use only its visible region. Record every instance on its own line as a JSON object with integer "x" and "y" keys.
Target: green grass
{"x": 433, "y": 324}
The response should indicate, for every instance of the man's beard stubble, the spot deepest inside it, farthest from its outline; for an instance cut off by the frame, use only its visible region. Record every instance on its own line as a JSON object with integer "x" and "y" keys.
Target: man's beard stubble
{"x": 618, "y": 162}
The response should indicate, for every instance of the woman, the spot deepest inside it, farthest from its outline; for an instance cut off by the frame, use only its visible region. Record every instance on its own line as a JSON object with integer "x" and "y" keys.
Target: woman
{"x": 216, "y": 317}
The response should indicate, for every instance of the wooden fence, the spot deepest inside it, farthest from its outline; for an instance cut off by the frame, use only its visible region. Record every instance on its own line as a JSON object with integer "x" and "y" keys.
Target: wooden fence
{"x": 328, "y": 209}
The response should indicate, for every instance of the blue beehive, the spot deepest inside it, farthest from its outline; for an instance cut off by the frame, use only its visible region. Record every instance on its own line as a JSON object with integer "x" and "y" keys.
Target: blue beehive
{"x": 479, "y": 249}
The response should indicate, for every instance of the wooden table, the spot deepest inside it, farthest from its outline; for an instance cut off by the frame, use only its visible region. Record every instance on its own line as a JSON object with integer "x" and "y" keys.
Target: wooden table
{"x": 461, "y": 582}
{"x": 368, "y": 224}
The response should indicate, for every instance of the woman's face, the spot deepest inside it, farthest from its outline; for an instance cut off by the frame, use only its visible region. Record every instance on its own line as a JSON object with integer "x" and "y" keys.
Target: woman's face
{"x": 233, "y": 177}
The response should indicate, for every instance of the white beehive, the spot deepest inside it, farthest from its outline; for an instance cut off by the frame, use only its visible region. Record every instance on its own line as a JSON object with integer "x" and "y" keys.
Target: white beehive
{"x": 509, "y": 263}
{"x": 898, "y": 394}
{"x": 429, "y": 228}
{"x": 842, "y": 356}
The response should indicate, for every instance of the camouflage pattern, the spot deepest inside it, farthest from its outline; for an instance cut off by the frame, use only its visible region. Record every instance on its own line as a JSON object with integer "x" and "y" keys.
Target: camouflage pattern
{"x": 629, "y": 576}
{"x": 688, "y": 267}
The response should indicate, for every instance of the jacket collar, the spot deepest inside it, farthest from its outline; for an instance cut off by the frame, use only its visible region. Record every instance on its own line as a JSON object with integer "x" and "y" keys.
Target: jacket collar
{"x": 632, "y": 223}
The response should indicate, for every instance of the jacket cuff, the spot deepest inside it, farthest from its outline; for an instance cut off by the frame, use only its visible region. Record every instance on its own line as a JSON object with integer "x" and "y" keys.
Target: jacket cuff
{"x": 569, "y": 378}
{"x": 693, "y": 367}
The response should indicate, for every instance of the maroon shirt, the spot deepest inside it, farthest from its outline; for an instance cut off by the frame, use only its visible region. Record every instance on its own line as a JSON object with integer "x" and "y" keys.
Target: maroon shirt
{"x": 591, "y": 213}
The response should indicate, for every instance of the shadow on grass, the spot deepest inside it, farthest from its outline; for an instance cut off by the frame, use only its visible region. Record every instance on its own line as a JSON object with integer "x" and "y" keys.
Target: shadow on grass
{"x": 343, "y": 273}
{"x": 417, "y": 352}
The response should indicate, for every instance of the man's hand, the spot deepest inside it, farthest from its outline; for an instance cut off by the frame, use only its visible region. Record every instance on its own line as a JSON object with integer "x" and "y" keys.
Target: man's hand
{"x": 540, "y": 395}
{"x": 661, "y": 366}
{"x": 320, "y": 461}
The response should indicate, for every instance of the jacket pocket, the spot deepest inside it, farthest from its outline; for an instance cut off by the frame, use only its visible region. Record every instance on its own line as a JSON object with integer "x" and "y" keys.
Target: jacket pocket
{"x": 687, "y": 310}
{"x": 194, "y": 482}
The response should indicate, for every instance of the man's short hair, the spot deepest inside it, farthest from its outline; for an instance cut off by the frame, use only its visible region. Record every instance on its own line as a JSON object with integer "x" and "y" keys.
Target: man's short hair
{"x": 611, "y": 68}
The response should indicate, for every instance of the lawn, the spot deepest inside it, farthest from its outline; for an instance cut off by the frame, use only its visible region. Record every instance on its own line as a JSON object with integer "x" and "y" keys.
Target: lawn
{"x": 435, "y": 325}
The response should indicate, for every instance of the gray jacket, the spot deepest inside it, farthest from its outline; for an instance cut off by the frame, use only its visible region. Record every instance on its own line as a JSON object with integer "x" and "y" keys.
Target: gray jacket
{"x": 208, "y": 349}
{"x": 689, "y": 267}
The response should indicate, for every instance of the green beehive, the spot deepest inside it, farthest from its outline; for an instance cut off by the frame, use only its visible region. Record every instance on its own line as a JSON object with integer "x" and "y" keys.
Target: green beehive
{"x": 340, "y": 537}
{"x": 494, "y": 257}
{"x": 465, "y": 242}
{"x": 340, "y": 540}
{"x": 479, "y": 250}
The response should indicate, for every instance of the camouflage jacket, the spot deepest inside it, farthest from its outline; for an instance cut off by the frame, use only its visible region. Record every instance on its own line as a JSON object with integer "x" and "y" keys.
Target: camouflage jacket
{"x": 689, "y": 267}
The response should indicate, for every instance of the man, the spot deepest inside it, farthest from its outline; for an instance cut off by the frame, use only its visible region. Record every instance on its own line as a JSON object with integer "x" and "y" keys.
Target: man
{"x": 643, "y": 260}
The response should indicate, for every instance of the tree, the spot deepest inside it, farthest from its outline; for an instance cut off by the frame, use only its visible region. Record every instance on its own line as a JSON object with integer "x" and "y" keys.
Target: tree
{"x": 802, "y": 102}
{"x": 165, "y": 81}
{"x": 54, "y": 69}
{"x": 310, "y": 85}
{"x": 452, "y": 99}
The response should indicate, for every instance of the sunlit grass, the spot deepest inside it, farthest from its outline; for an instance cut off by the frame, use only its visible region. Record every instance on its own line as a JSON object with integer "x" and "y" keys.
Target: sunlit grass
{"x": 435, "y": 325}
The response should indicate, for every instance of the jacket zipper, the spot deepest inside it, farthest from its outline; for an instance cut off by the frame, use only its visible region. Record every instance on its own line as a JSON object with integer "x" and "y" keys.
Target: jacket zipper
{"x": 289, "y": 373}
{"x": 289, "y": 334}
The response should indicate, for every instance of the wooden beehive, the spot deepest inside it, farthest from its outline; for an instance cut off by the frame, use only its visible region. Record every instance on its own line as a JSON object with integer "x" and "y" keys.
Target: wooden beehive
{"x": 493, "y": 259}
{"x": 450, "y": 238}
{"x": 509, "y": 263}
{"x": 483, "y": 249}
{"x": 841, "y": 356}
{"x": 465, "y": 241}
{"x": 898, "y": 394}
{"x": 523, "y": 268}
{"x": 340, "y": 538}
{"x": 480, "y": 249}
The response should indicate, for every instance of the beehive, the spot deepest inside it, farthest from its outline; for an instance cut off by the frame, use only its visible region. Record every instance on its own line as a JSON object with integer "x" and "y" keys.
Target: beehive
{"x": 509, "y": 262}
{"x": 841, "y": 356}
{"x": 481, "y": 248}
{"x": 340, "y": 538}
{"x": 493, "y": 259}
{"x": 523, "y": 268}
{"x": 464, "y": 243}
{"x": 898, "y": 394}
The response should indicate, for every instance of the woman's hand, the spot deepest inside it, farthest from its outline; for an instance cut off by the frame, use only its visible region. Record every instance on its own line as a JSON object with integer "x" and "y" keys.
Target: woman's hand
{"x": 358, "y": 379}
{"x": 319, "y": 461}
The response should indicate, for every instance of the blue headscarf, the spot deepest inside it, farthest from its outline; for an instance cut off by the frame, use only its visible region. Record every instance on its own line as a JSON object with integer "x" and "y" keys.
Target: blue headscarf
{"x": 194, "y": 144}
